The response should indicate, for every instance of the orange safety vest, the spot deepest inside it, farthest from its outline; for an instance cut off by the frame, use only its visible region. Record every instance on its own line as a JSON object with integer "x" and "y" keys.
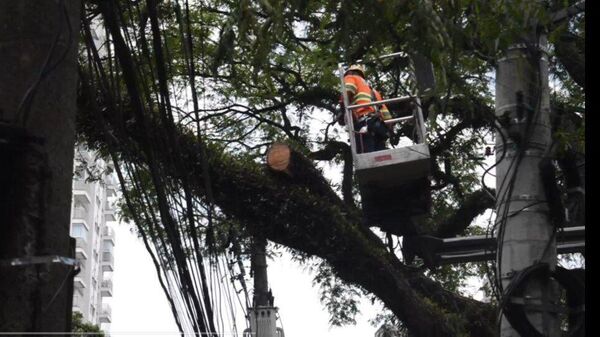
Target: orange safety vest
{"x": 361, "y": 94}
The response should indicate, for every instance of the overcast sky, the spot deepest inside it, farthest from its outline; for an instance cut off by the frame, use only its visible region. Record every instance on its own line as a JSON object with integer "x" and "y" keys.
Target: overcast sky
{"x": 140, "y": 308}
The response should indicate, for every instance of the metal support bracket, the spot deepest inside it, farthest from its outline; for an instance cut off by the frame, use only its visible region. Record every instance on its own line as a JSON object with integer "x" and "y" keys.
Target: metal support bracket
{"x": 535, "y": 304}
{"x": 33, "y": 260}
{"x": 436, "y": 251}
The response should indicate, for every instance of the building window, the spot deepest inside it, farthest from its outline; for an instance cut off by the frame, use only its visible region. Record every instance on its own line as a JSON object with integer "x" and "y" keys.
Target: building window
{"x": 107, "y": 246}
{"x": 78, "y": 230}
{"x": 79, "y": 211}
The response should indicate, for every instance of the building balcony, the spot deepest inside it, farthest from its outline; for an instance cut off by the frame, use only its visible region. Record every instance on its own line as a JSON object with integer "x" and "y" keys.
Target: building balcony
{"x": 80, "y": 254}
{"x": 81, "y": 243}
{"x": 82, "y": 197}
{"x": 76, "y": 308}
{"x": 106, "y": 314}
{"x": 108, "y": 261}
{"x": 109, "y": 215}
{"x": 108, "y": 234}
{"x": 80, "y": 213}
{"x": 79, "y": 284}
{"x": 77, "y": 302}
{"x": 81, "y": 247}
{"x": 109, "y": 206}
{"x": 111, "y": 186}
{"x": 109, "y": 211}
{"x": 106, "y": 288}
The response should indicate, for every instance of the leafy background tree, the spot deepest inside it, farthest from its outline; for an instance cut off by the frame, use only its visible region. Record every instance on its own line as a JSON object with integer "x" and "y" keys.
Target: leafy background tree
{"x": 79, "y": 325}
{"x": 186, "y": 97}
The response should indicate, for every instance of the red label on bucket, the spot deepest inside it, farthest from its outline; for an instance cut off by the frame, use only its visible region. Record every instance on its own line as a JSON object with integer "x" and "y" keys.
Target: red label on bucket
{"x": 383, "y": 158}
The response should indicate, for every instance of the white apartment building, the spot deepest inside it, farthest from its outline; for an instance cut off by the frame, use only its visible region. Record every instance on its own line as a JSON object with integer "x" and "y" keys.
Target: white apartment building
{"x": 94, "y": 189}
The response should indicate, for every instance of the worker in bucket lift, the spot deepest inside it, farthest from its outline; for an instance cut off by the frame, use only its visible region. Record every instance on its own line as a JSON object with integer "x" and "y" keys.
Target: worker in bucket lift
{"x": 370, "y": 130}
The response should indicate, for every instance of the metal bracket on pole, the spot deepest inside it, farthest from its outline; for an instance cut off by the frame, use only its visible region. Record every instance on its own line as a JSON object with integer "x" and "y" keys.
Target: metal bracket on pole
{"x": 537, "y": 305}
{"x": 436, "y": 251}
{"x": 33, "y": 260}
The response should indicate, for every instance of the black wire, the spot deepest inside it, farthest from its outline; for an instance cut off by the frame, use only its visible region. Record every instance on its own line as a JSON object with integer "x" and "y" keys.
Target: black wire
{"x": 69, "y": 40}
{"x": 504, "y": 143}
{"x": 496, "y": 284}
{"x": 70, "y": 273}
{"x": 519, "y": 156}
{"x": 25, "y": 104}
{"x": 178, "y": 208}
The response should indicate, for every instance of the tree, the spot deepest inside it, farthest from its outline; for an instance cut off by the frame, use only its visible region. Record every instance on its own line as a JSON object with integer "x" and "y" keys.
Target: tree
{"x": 187, "y": 118}
{"x": 37, "y": 130}
{"x": 79, "y": 325}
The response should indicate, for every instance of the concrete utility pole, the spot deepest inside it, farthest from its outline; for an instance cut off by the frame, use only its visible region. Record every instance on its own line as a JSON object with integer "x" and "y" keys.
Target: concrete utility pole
{"x": 259, "y": 268}
{"x": 522, "y": 100}
{"x": 38, "y": 81}
{"x": 262, "y": 315}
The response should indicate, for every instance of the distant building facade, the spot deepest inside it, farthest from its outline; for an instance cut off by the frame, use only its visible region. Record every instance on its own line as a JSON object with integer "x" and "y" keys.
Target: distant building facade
{"x": 94, "y": 188}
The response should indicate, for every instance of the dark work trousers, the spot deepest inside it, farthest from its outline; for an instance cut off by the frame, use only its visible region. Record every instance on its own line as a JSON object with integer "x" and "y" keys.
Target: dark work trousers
{"x": 369, "y": 141}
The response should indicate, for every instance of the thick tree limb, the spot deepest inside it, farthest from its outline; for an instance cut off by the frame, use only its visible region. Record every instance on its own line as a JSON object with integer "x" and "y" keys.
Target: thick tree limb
{"x": 332, "y": 149}
{"x": 571, "y": 54}
{"x": 473, "y": 205}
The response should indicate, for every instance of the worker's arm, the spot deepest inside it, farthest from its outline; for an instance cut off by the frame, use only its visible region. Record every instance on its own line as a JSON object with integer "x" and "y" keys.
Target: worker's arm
{"x": 340, "y": 112}
{"x": 349, "y": 83}
{"x": 384, "y": 112}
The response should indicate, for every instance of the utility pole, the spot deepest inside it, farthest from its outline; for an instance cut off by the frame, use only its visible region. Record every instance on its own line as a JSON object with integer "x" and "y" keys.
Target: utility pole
{"x": 259, "y": 269}
{"x": 38, "y": 86}
{"x": 263, "y": 314}
{"x": 525, "y": 234}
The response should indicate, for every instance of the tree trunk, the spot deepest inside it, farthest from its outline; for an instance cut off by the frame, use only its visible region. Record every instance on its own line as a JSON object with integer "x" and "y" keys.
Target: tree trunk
{"x": 38, "y": 77}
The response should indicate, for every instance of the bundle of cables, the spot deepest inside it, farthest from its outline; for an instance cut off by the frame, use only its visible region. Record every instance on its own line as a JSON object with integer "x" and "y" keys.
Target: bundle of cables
{"x": 515, "y": 307}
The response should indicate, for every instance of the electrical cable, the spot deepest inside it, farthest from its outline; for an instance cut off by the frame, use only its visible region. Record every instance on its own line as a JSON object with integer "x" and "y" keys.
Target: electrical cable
{"x": 487, "y": 189}
{"x": 71, "y": 272}
{"x": 527, "y": 135}
{"x": 25, "y": 105}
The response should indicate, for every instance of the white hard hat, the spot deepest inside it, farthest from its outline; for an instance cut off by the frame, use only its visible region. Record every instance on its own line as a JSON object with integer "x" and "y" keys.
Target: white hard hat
{"x": 358, "y": 67}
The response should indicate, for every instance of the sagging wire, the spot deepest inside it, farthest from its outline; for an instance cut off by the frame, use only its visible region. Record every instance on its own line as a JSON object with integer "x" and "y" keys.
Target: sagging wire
{"x": 175, "y": 275}
{"x": 166, "y": 112}
{"x": 113, "y": 145}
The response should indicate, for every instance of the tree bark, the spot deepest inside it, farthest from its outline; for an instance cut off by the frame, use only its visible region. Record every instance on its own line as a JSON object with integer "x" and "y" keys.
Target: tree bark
{"x": 38, "y": 77}
{"x": 570, "y": 52}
